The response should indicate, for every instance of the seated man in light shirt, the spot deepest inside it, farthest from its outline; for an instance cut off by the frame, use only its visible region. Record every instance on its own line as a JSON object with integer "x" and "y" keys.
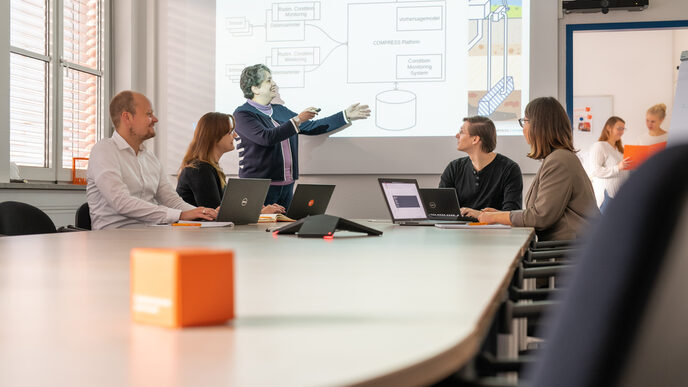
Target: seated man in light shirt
{"x": 126, "y": 182}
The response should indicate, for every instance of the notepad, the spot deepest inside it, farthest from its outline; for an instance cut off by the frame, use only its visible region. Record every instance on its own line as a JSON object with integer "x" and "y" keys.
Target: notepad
{"x": 195, "y": 223}
{"x": 206, "y": 223}
{"x": 269, "y": 218}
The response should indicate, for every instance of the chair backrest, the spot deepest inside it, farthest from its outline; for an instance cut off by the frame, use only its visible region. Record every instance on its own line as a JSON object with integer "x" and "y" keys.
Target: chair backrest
{"x": 595, "y": 334}
{"x": 82, "y": 219}
{"x": 18, "y": 218}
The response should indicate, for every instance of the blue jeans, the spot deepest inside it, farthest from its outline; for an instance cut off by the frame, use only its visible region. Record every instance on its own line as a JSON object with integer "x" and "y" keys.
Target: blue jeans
{"x": 605, "y": 202}
{"x": 280, "y": 194}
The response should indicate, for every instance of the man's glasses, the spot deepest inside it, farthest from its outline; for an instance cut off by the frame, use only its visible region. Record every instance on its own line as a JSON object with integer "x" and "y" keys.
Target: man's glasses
{"x": 522, "y": 121}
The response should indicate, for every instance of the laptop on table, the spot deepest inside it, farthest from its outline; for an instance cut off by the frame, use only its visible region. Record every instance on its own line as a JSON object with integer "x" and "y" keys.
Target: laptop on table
{"x": 310, "y": 199}
{"x": 243, "y": 200}
{"x": 405, "y": 204}
{"x": 443, "y": 204}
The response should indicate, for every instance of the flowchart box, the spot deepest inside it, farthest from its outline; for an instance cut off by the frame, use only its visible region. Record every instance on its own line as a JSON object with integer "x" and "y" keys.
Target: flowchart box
{"x": 420, "y": 18}
{"x": 236, "y": 24}
{"x": 419, "y": 66}
{"x": 296, "y": 11}
{"x": 285, "y": 56}
{"x": 289, "y": 76}
{"x": 283, "y": 31}
{"x": 233, "y": 71}
{"x": 399, "y": 31}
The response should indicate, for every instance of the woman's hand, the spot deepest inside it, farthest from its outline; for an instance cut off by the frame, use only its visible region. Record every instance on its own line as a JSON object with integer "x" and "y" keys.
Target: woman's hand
{"x": 490, "y": 217}
{"x": 465, "y": 211}
{"x": 357, "y": 112}
{"x": 624, "y": 164}
{"x": 199, "y": 213}
{"x": 272, "y": 209}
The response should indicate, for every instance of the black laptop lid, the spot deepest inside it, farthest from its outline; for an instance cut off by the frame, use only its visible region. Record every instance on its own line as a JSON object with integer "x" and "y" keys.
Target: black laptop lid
{"x": 440, "y": 202}
{"x": 403, "y": 199}
{"x": 242, "y": 201}
{"x": 310, "y": 199}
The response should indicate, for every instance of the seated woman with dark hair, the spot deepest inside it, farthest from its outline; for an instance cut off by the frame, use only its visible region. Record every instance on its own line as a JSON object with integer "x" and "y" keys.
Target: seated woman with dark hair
{"x": 560, "y": 200}
{"x": 201, "y": 180}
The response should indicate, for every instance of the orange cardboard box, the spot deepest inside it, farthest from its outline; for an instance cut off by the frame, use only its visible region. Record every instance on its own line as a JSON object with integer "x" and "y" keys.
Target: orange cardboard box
{"x": 182, "y": 287}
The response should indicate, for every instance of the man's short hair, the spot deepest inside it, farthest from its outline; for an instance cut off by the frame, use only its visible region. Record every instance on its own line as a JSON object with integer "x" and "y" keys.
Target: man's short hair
{"x": 122, "y": 102}
{"x": 484, "y": 128}
{"x": 252, "y": 76}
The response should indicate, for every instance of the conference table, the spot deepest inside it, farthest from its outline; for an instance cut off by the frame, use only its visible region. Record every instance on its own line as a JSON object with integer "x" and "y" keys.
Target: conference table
{"x": 405, "y": 308}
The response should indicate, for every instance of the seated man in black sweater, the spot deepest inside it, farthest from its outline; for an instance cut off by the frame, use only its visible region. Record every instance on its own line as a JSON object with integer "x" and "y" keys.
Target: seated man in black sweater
{"x": 485, "y": 180}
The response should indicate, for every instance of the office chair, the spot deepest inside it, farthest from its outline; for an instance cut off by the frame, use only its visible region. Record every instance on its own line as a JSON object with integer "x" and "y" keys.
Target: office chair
{"x": 18, "y": 218}
{"x": 622, "y": 317}
{"x": 82, "y": 219}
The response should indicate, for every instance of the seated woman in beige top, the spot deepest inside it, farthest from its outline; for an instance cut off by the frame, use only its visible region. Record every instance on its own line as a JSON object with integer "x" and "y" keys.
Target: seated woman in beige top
{"x": 560, "y": 200}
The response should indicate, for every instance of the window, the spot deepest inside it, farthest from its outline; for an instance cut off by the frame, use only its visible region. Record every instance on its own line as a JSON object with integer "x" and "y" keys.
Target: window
{"x": 57, "y": 83}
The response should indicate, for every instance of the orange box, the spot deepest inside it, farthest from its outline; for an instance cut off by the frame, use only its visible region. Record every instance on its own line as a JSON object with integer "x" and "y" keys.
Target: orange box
{"x": 79, "y": 167}
{"x": 182, "y": 287}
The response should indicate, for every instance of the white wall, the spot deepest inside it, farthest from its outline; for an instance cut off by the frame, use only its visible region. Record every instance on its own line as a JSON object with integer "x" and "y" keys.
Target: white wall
{"x": 605, "y": 61}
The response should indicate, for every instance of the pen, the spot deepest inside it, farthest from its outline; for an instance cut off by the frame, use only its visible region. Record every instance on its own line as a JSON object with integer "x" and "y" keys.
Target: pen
{"x": 477, "y": 224}
{"x": 187, "y": 224}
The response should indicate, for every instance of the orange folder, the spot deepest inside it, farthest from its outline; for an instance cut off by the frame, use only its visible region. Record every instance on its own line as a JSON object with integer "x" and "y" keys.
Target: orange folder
{"x": 182, "y": 287}
{"x": 640, "y": 153}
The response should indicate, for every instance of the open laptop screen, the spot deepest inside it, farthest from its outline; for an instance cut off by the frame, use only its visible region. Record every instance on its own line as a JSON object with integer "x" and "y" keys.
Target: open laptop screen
{"x": 403, "y": 199}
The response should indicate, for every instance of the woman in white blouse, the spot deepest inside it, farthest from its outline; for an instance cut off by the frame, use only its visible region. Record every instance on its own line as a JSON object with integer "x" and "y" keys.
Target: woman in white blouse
{"x": 607, "y": 165}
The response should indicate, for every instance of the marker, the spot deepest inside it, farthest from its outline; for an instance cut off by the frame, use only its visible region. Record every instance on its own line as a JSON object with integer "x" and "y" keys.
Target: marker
{"x": 477, "y": 224}
{"x": 317, "y": 110}
{"x": 187, "y": 224}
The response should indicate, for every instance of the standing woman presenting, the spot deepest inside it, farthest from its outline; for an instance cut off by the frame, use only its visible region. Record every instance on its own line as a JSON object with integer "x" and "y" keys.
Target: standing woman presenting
{"x": 560, "y": 201}
{"x": 653, "y": 119}
{"x": 607, "y": 165}
{"x": 268, "y": 142}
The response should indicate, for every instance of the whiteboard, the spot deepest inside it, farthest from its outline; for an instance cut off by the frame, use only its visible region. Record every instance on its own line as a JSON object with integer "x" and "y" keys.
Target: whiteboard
{"x": 678, "y": 133}
{"x": 589, "y": 115}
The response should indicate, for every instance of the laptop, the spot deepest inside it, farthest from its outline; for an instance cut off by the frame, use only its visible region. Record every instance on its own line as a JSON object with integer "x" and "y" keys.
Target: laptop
{"x": 443, "y": 204}
{"x": 309, "y": 199}
{"x": 405, "y": 204}
{"x": 242, "y": 201}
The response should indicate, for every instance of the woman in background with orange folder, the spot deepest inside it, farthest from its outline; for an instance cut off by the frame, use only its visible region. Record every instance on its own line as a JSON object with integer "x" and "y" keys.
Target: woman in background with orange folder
{"x": 607, "y": 165}
{"x": 653, "y": 119}
{"x": 560, "y": 200}
{"x": 201, "y": 179}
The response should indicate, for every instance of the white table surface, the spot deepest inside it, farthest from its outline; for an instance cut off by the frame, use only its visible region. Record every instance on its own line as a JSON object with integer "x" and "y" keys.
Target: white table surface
{"x": 405, "y": 308}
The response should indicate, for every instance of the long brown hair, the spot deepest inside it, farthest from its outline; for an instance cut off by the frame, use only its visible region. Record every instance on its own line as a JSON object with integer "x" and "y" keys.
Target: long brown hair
{"x": 209, "y": 131}
{"x": 606, "y": 131}
{"x": 550, "y": 128}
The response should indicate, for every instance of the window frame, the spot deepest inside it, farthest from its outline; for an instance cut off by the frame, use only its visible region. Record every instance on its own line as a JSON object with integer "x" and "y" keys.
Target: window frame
{"x": 57, "y": 67}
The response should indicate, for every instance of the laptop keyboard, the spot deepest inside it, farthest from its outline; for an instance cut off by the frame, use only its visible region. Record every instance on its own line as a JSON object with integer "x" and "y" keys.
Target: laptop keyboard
{"x": 453, "y": 218}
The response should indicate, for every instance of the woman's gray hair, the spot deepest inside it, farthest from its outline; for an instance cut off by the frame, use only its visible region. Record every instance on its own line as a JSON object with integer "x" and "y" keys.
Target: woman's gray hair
{"x": 252, "y": 76}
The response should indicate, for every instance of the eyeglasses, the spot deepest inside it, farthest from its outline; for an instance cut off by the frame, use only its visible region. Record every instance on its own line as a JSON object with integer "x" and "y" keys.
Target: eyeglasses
{"x": 521, "y": 121}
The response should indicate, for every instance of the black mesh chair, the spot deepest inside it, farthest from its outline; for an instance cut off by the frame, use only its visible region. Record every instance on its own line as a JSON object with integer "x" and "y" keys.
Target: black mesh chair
{"x": 82, "y": 219}
{"x": 18, "y": 218}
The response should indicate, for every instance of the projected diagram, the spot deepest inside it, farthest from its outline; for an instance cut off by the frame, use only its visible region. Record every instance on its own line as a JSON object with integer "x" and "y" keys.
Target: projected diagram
{"x": 498, "y": 100}
{"x": 407, "y": 59}
{"x": 409, "y": 46}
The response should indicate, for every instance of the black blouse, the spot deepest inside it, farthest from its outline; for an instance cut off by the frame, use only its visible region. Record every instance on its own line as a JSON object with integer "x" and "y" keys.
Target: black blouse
{"x": 200, "y": 186}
